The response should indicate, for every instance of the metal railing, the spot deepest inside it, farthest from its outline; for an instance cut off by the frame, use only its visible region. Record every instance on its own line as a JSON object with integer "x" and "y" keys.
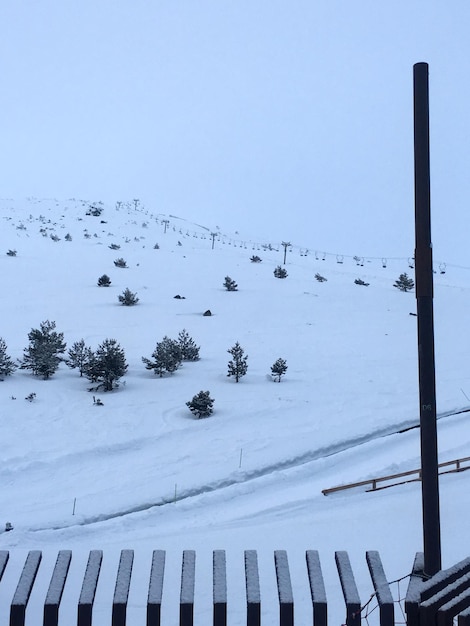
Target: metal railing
{"x": 392, "y": 480}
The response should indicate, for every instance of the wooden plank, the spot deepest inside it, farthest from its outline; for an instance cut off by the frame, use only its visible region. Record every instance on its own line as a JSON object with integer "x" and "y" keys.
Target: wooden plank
{"x": 219, "y": 588}
{"x": 154, "y": 598}
{"x": 24, "y": 588}
{"x": 348, "y": 585}
{"x": 284, "y": 589}
{"x": 428, "y": 609}
{"x": 89, "y": 585}
{"x": 413, "y": 593}
{"x": 464, "y": 618}
{"x": 56, "y": 588}
{"x": 317, "y": 588}
{"x": 4, "y": 556}
{"x": 372, "y": 481}
{"x": 253, "y": 596}
{"x": 444, "y": 578}
{"x": 121, "y": 590}
{"x": 188, "y": 572}
{"x": 447, "y": 612}
{"x": 382, "y": 588}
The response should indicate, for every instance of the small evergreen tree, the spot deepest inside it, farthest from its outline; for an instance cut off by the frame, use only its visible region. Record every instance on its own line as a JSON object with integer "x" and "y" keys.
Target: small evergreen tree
{"x": 120, "y": 262}
{"x": 42, "y": 356}
{"x": 255, "y": 259}
{"x": 128, "y": 298}
{"x": 404, "y": 282}
{"x": 91, "y": 368}
{"x": 201, "y": 404}
{"x": 94, "y": 210}
{"x": 166, "y": 357}
{"x": 280, "y": 272}
{"x": 188, "y": 347}
{"x": 79, "y": 356}
{"x": 278, "y": 369}
{"x": 104, "y": 281}
{"x": 7, "y": 366}
{"x": 230, "y": 284}
{"x": 238, "y": 365}
{"x": 107, "y": 365}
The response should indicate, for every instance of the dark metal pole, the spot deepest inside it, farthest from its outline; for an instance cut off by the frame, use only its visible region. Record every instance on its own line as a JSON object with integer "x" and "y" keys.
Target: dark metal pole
{"x": 286, "y": 244}
{"x": 424, "y": 298}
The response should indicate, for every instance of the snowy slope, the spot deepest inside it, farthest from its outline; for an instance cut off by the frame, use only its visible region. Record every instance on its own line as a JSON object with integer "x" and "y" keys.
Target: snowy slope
{"x": 142, "y": 472}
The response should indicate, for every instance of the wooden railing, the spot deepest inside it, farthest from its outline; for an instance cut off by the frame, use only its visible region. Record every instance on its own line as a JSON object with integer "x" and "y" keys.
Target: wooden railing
{"x": 251, "y": 605}
{"x": 383, "y": 482}
{"x": 437, "y": 600}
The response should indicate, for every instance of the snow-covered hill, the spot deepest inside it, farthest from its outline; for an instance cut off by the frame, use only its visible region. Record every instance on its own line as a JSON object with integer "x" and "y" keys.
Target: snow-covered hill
{"x": 141, "y": 472}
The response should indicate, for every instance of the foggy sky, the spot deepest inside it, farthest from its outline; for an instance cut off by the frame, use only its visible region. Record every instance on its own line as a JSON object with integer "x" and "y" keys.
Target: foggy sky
{"x": 287, "y": 119}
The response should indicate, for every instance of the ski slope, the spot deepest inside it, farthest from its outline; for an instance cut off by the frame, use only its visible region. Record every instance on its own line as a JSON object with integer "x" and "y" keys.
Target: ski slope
{"x": 140, "y": 472}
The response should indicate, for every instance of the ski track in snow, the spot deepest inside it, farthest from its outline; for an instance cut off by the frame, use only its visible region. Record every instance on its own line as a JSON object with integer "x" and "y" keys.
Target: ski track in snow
{"x": 248, "y": 476}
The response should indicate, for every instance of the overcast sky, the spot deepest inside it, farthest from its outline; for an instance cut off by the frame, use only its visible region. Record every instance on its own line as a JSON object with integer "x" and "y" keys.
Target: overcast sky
{"x": 292, "y": 119}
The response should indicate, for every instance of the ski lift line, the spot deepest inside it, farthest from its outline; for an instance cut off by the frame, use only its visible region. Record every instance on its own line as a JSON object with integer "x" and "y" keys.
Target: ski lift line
{"x": 303, "y": 250}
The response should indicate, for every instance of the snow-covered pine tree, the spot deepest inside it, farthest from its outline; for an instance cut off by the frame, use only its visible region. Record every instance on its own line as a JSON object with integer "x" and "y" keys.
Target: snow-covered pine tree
{"x": 404, "y": 282}
{"x": 7, "y": 365}
{"x": 79, "y": 356}
{"x": 165, "y": 358}
{"x": 230, "y": 284}
{"x": 42, "y": 356}
{"x": 128, "y": 298}
{"x": 278, "y": 369}
{"x": 280, "y": 272}
{"x": 201, "y": 404}
{"x": 238, "y": 366}
{"x": 104, "y": 281}
{"x": 107, "y": 365}
{"x": 188, "y": 347}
